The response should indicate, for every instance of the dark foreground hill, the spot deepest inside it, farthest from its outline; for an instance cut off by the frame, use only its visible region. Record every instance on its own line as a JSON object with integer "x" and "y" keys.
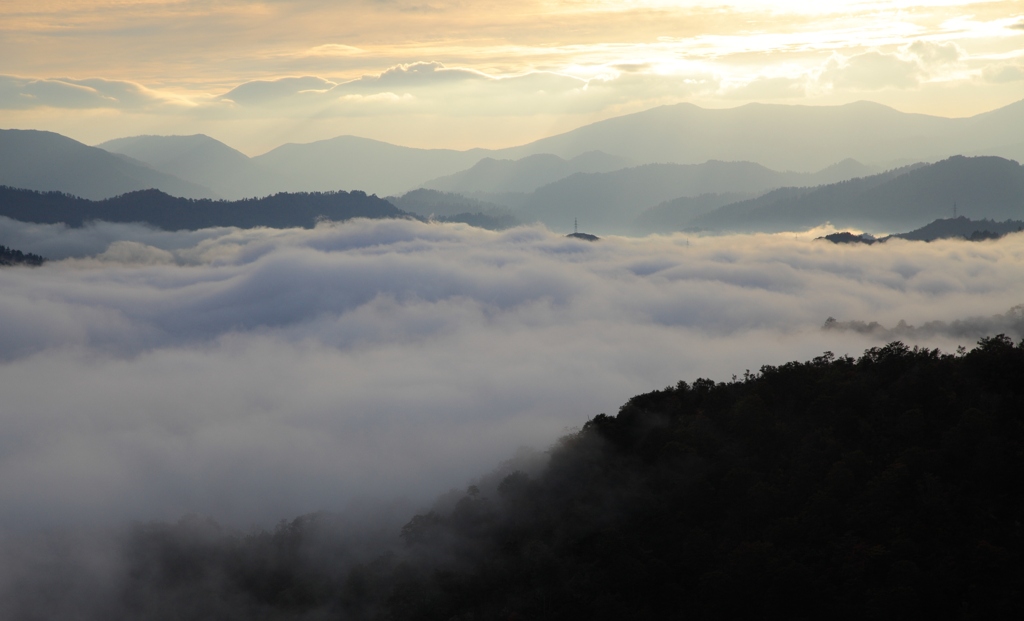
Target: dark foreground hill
{"x": 881, "y": 487}
{"x": 153, "y": 207}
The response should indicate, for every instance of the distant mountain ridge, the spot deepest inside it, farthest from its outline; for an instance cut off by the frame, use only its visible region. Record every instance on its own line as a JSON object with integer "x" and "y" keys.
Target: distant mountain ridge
{"x": 790, "y": 137}
{"x": 779, "y": 137}
{"x": 424, "y": 202}
{"x": 450, "y": 207}
{"x": 202, "y": 160}
{"x": 981, "y": 187}
{"x": 46, "y": 161}
{"x": 352, "y": 163}
{"x": 611, "y": 202}
{"x": 526, "y": 174}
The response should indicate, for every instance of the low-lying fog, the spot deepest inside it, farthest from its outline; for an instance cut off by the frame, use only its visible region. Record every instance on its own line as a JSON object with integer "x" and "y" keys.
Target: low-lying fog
{"x": 261, "y": 374}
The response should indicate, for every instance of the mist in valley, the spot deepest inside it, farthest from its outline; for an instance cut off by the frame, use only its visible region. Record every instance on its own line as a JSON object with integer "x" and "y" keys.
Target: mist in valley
{"x": 253, "y": 375}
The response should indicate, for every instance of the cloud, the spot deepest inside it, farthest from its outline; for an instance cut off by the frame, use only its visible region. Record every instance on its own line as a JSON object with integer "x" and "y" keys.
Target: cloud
{"x": 421, "y": 87}
{"x": 260, "y": 374}
{"x": 771, "y": 88}
{"x": 333, "y": 49}
{"x": 413, "y": 75}
{"x": 905, "y": 68}
{"x": 265, "y": 91}
{"x": 932, "y": 54}
{"x": 430, "y": 82}
{"x": 871, "y": 71}
{"x": 317, "y": 91}
{"x": 18, "y": 93}
{"x": 1001, "y": 74}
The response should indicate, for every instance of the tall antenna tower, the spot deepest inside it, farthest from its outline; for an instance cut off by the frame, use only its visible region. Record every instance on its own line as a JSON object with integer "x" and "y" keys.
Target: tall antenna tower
{"x": 575, "y": 228}
{"x": 954, "y": 210}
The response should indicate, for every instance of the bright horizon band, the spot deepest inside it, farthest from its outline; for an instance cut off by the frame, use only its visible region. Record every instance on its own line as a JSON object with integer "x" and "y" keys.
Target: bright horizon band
{"x": 439, "y": 74}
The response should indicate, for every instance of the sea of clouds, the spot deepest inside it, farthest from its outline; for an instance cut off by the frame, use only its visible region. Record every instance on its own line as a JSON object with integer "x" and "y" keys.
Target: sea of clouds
{"x": 255, "y": 375}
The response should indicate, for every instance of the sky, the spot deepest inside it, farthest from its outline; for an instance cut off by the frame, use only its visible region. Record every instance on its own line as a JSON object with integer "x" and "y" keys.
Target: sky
{"x": 468, "y": 73}
{"x": 256, "y": 375}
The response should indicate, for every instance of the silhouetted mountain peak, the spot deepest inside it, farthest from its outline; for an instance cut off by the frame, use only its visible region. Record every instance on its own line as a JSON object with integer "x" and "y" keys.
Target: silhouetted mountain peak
{"x": 983, "y": 186}
{"x": 154, "y": 149}
{"x": 42, "y": 160}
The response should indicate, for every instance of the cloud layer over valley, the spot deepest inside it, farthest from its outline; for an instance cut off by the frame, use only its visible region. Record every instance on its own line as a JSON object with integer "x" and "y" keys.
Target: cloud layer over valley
{"x": 256, "y": 375}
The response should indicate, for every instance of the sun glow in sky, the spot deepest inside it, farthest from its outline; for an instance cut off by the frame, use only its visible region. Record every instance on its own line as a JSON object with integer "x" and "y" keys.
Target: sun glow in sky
{"x": 468, "y": 73}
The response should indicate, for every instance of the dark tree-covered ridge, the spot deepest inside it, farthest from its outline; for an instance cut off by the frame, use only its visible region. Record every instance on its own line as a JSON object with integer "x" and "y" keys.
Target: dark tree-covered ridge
{"x": 153, "y": 207}
{"x": 887, "y": 486}
{"x": 881, "y": 487}
{"x": 10, "y": 256}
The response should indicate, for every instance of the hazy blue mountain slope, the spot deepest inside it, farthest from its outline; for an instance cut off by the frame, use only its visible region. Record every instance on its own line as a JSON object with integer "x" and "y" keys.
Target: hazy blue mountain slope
{"x": 785, "y": 137}
{"x": 609, "y": 202}
{"x": 526, "y": 174}
{"x": 676, "y": 214}
{"x": 46, "y": 161}
{"x": 780, "y": 137}
{"x": 738, "y": 216}
{"x": 201, "y": 160}
{"x": 351, "y": 163}
{"x": 424, "y": 202}
{"x": 981, "y": 187}
{"x": 997, "y": 132}
{"x": 450, "y": 207}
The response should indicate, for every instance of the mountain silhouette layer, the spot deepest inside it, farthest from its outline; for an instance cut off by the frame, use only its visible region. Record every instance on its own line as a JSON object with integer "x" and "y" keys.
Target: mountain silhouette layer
{"x": 611, "y": 202}
{"x": 779, "y": 137}
{"x": 906, "y": 198}
{"x": 202, "y": 160}
{"x": 789, "y": 137}
{"x": 47, "y": 161}
{"x": 526, "y": 174}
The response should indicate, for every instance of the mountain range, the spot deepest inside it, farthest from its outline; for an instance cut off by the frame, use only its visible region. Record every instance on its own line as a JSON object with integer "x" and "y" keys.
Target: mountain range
{"x": 668, "y": 168}
{"x": 908, "y": 197}
{"x": 526, "y": 174}
{"x": 780, "y": 137}
{"x": 225, "y": 172}
{"x": 46, "y": 161}
{"x": 611, "y": 202}
{"x": 788, "y": 137}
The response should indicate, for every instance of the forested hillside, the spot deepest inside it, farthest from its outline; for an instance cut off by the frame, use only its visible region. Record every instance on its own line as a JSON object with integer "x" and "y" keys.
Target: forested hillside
{"x": 153, "y": 207}
{"x": 10, "y": 256}
{"x": 883, "y": 487}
